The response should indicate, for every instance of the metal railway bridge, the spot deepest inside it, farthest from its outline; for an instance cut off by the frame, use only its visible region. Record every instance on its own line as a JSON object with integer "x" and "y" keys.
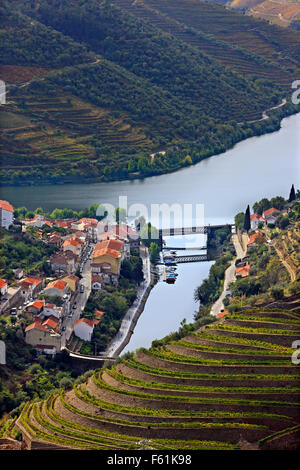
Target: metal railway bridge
{"x": 205, "y": 229}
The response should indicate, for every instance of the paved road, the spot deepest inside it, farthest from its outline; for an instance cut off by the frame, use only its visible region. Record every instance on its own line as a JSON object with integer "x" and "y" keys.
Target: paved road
{"x": 229, "y": 276}
{"x": 81, "y": 300}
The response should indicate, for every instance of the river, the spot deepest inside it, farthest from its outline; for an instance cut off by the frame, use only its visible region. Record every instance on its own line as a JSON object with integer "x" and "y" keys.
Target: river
{"x": 225, "y": 184}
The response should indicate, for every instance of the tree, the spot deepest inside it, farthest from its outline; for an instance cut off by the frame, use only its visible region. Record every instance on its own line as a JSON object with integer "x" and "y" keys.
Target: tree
{"x": 120, "y": 215}
{"x": 292, "y": 196}
{"x": 247, "y": 224}
{"x": 154, "y": 252}
{"x": 239, "y": 220}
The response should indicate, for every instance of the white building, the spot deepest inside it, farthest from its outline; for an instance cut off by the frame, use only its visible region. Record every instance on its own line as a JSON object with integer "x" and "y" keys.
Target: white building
{"x": 3, "y": 287}
{"x": 6, "y": 214}
{"x": 256, "y": 219}
{"x": 57, "y": 287}
{"x": 271, "y": 215}
{"x": 84, "y": 328}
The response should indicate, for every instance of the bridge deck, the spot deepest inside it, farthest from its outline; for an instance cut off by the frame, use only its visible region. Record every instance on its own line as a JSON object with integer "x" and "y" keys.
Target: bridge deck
{"x": 172, "y": 231}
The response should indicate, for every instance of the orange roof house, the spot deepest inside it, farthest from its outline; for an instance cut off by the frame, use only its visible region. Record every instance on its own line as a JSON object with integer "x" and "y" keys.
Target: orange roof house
{"x": 222, "y": 314}
{"x": 72, "y": 282}
{"x": 3, "y": 283}
{"x": 270, "y": 212}
{"x": 57, "y": 287}
{"x": 37, "y": 325}
{"x": 6, "y": 206}
{"x": 30, "y": 283}
{"x": 3, "y": 286}
{"x": 107, "y": 257}
{"x": 253, "y": 237}
{"x": 111, "y": 247}
{"x": 43, "y": 334}
{"x": 84, "y": 327}
{"x": 36, "y": 306}
{"x": 242, "y": 272}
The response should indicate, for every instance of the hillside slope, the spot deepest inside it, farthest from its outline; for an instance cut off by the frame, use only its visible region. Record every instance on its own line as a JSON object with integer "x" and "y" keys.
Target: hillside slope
{"x": 229, "y": 385}
{"x": 95, "y": 88}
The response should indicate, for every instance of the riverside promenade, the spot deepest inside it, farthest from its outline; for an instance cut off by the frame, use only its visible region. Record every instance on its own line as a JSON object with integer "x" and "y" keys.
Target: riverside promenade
{"x": 129, "y": 321}
{"x": 229, "y": 273}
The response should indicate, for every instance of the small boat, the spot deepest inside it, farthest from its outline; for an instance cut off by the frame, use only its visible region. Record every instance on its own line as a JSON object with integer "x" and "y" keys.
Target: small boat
{"x": 170, "y": 279}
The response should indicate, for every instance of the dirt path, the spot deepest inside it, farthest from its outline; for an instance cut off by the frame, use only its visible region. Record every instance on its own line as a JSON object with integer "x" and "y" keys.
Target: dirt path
{"x": 264, "y": 113}
{"x": 229, "y": 275}
{"x": 288, "y": 267}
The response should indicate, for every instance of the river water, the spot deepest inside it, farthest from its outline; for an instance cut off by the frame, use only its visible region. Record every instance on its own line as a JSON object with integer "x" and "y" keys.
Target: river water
{"x": 225, "y": 184}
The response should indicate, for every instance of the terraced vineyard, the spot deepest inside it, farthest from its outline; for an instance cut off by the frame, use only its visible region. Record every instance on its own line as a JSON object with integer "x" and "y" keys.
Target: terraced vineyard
{"x": 229, "y": 385}
{"x": 61, "y": 128}
{"x": 234, "y": 40}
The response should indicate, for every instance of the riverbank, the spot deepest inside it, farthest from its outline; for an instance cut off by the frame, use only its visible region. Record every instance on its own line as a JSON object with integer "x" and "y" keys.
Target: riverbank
{"x": 174, "y": 158}
{"x": 131, "y": 317}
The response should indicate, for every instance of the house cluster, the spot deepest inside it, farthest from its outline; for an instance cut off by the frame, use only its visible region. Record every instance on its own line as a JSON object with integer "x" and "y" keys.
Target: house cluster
{"x": 48, "y": 303}
{"x": 45, "y": 332}
{"x": 268, "y": 217}
{"x": 114, "y": 244}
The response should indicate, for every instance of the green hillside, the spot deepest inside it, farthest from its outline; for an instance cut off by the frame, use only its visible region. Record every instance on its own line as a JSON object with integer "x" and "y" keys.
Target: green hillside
{"x": 111, "y": 83}
{"x": 222, "y": 387}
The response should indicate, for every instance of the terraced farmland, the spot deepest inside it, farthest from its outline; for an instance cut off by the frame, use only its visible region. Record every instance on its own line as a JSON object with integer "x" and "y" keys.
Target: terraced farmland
{"x": 53, "y": 130}
{"x": 252, "y": 49}
{"x": 229, "y": 385}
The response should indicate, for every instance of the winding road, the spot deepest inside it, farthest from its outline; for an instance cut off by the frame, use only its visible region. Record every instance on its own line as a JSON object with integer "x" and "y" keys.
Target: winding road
{"x": 229, "y": 275}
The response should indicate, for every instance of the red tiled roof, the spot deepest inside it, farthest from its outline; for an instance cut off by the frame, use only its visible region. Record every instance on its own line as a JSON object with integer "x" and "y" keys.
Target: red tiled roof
{"x": 222, "y": 314}
{"x": 58, "y": 284}
{"x": 72, "y": 241}
{"x": 86, "y": 220}
{"x": 244, "y": 271}
{"x": 253, "y": 237}
{"x": 51, "y": 321}
{"x": 256, "y": 216}
{"x": 6, "y": 206}
{"x": 97, "y": 278}
{"x": 29, "y": 281}
{"x": 36, "y": 325}
{"x": 38, "y": 304}
{"x": 270, "y": 211}
{"x": 90, "y": 323}
{"x": 110, "y": 247}
{"x": 2, "y": 283}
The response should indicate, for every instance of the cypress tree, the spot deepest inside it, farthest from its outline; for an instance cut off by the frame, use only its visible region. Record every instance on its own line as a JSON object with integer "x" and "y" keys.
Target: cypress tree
{"x": 247, "y": 224}
{"x": 292, "y": 194}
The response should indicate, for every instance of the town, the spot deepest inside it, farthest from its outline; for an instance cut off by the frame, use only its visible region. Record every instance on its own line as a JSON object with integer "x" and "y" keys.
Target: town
{"x": 85, "y": 258}
{"x": 55, "y": 304}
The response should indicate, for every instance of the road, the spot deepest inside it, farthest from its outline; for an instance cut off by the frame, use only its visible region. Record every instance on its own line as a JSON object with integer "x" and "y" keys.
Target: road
{"x": 229, "y": 275}
{"x": 81, "y": 300}
{"x": 264, "y": 113}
